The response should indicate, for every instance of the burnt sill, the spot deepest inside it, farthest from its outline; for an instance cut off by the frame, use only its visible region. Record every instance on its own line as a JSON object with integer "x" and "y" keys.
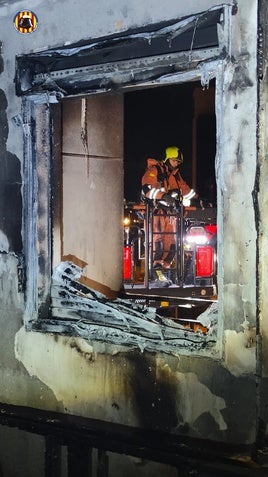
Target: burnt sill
{"x": 77, "y": 310}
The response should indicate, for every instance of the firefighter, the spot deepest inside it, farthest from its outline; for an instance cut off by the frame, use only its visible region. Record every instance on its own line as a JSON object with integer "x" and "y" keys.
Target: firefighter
{"x": 163, "y": 185}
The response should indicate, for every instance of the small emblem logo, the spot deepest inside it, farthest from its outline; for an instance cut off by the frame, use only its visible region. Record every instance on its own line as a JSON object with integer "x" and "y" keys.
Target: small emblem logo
{"x": 25, "y": 21}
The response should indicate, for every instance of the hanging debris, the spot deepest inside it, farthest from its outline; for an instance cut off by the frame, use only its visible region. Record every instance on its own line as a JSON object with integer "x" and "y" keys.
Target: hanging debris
{"x": 89, "y": 314}
{"x": 138, "y": 55}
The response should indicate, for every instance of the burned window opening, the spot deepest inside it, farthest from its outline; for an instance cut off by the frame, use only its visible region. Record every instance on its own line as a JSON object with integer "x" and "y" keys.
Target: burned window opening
{"x": 116, "y": 61}
{"x": 84, "y": 312}
{"x": 74, "y": 315}
{"x": 202, "y": 287}
{"x": 38, "y": 111}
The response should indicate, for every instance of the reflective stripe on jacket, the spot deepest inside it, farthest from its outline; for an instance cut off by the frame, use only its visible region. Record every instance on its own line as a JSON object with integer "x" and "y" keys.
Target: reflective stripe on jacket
{"x": 158, "y": 180}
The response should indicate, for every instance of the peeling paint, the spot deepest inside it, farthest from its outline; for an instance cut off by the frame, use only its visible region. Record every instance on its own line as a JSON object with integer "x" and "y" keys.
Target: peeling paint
{"x": 240, "y": 350}
{"x": 10, "y": 298}
{"x": 189, "y": 410}
{"x": 241, "y": 79}
{"x": 204, "y": 401}
{"x": 4, "y": 244}
{"x": 86, "y": 382}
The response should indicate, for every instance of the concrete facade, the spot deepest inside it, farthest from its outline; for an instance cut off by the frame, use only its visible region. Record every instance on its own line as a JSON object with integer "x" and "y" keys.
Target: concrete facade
{"x": 215, "y": 392}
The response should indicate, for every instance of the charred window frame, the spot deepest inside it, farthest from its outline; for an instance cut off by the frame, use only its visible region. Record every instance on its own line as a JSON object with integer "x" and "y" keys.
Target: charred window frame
{"x": 41, "y": 85}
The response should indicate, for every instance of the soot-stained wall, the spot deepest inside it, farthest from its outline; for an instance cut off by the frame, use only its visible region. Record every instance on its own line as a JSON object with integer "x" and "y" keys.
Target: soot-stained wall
{"x": 10, "y": 188}
{"x": 196, "y": 394}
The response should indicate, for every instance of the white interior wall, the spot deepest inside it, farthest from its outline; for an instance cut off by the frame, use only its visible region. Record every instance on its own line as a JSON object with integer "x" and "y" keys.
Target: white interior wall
{"x": 92, "y": 190}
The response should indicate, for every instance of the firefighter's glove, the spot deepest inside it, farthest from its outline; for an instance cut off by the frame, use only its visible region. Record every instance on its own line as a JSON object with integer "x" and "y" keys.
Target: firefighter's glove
{"x": 186, "y": 202}
{"x": 167, "y": 202}
{"x": 175, "y": 193}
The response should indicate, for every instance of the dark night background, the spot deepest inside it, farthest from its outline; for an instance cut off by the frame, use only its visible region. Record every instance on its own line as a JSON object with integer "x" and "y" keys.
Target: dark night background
{"x": 160, "y": 117}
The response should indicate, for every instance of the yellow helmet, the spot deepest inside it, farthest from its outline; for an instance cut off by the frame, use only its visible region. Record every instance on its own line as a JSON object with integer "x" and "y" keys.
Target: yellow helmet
{"x": 173, "y": 152}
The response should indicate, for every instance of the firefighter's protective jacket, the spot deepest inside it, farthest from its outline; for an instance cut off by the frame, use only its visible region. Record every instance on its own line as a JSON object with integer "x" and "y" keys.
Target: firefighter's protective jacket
{"x": 159, "y": 179}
